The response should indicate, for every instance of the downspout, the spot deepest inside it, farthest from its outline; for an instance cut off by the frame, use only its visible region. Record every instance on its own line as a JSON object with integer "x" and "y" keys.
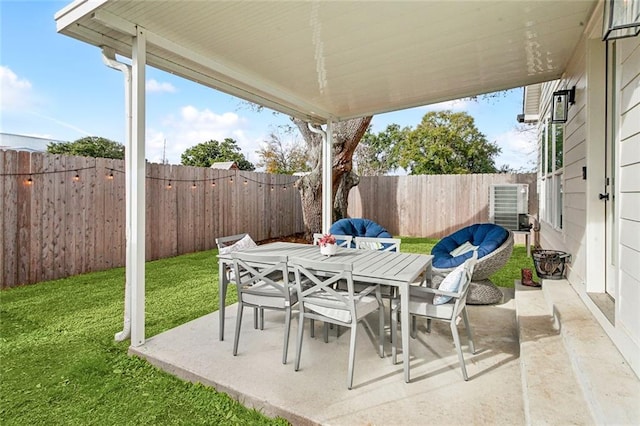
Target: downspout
{"x": 327, "y": 187}
{"x": 109, "y": 59}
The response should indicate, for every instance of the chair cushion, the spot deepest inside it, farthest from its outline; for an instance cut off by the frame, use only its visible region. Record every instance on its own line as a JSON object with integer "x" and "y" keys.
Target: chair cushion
{"x": 421, "y": 303}
{"x": 358, "y": 227}
{"x": 450, "y": 283}
{"x": 337, "y": 309}
{"x": 269, "y": 296}
{"x": 486, "y": 236}
{"x": 243, "y": 243}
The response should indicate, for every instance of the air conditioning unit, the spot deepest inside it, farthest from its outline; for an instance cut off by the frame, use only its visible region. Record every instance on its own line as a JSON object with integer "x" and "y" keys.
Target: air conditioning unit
{"x": 509, "y": 205}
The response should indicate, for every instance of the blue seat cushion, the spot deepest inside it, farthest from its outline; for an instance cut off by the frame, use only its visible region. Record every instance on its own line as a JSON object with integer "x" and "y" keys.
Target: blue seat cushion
{"x": 358, "y": 227}
{"x": 486, "y": 236}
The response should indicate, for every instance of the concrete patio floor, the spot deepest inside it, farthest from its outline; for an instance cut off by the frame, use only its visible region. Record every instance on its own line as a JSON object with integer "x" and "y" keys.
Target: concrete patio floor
{"x": 318, "y": 394}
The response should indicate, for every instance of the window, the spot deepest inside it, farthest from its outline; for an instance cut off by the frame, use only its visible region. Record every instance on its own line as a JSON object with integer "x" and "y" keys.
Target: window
{"x": 552, "y": 166}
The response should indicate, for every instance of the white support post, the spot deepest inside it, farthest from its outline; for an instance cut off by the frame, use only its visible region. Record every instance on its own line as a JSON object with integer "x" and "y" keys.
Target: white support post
{"x": 136, "y": 218}
{"x": 327, "y": 178}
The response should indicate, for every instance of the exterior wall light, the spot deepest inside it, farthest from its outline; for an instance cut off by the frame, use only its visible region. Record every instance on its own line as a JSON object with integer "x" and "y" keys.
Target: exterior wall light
{"x": 560, "y": 104}
{"x": 621, "y": 19}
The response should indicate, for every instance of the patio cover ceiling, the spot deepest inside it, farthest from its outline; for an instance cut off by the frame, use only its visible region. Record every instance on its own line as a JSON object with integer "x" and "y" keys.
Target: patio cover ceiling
{"x": 335, "y": 60}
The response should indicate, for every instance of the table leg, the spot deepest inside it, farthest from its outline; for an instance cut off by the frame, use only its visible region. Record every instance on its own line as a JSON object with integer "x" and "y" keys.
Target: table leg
{"x": 222, "y": 295}
{"x": 405, "y": 324}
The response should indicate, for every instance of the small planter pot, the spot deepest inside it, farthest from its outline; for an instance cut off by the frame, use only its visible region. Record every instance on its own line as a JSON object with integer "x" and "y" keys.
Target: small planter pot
{"x": 328, "y": 249}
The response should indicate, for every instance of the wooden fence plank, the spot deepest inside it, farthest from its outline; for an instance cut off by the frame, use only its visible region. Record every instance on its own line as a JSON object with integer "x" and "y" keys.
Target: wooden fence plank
{"x": 36, "y": 232}
{"x": 24, "y": 216}
{"x": 10, "y": 222}
{"x": 3, "y": 178}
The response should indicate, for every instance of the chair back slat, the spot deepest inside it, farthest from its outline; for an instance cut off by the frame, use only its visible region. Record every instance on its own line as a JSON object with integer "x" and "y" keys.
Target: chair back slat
{"x": 378, "y": 243}
{"x": 262, "y": 275}
{"x": 316, "y": 284}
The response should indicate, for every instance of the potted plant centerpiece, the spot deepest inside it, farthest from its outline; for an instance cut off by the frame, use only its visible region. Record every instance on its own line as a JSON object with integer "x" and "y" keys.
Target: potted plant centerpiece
{"x": 328, "y": 245}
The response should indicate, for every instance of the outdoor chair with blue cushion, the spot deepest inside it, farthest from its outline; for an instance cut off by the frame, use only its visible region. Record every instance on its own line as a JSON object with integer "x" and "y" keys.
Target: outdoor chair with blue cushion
{"x": 492, "y": 243}
{"x": 357, "y": 227}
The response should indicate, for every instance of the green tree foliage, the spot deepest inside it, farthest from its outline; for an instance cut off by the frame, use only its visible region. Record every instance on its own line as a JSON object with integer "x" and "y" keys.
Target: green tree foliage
{"x": 447, "y": 143}
{"x": 90, "y": 146}
{"x": 206, "y": 153}
{"x": 283, "y": 158}
{"x": 374, "y": 154}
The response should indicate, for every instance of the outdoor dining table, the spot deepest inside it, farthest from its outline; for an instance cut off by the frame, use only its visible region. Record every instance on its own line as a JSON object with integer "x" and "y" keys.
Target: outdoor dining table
{"x": 371, "y": 266}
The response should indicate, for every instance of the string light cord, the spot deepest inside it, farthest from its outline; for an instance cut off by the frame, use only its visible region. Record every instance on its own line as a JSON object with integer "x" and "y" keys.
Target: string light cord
{"x": 111, "y": 170}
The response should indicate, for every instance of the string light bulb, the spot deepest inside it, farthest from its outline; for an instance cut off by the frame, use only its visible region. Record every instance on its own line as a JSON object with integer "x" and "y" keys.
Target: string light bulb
{"x": 246, "y": 182}
{"x": 169, "y": 186}
{"x": 110, "y": 175}
{"x": 193, "y": 185}
{"x": 76, "y": 178}
{"x": 231, "y": 180}
{"x": 29, "y": 181}
{"x": 272, "y": 188}
{"x": 213, "y": 183}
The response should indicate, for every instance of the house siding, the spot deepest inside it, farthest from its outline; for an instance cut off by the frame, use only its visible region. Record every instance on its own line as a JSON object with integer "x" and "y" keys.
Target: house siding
{"x": 583, "y": 229}
{"x": 627, "y": 312}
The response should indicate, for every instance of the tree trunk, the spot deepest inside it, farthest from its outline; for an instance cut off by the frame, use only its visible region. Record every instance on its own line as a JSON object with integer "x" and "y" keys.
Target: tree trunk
{"x": 347, "y": 135}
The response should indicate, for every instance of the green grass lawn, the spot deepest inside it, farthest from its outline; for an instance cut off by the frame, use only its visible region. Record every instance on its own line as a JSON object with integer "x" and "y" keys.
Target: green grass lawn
{"x": 59, "y": 362}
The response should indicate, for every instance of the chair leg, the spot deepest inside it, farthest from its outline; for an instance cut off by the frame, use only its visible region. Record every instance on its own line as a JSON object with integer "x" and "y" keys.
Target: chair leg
{"x": 255, "y": 318}
{"x": 287, "y": 328}
{"x": 394, "y": 334}
{"x": 299, "y": 340}
{"x": 465, "y": 317}
{"x": 261, "y": 319}
{"x": 312, "y": 328}
{"x": 456, "y": 340}
{"x": 352, "y": 355}
{"x": 413, "y": 326}
{"x": 381, "y": 329}
{"x": 238, "y": 325}
{"x": 325, "y": 332}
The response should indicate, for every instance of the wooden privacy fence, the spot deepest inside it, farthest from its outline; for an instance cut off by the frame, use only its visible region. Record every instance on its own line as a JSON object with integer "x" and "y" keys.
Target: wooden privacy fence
{"x": 55, "y": 224}
{"x": 430, "y": 205}
{"x": 63, "y": 215}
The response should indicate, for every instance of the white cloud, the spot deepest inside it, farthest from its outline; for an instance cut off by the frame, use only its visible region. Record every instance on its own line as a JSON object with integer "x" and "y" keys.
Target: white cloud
{"x": 518, "y": 149}
{"x": 154, "y": 86}
{"x": 453, "y": 105}
{"x": 192, "y": 126}
{"x": 16, "y": 91}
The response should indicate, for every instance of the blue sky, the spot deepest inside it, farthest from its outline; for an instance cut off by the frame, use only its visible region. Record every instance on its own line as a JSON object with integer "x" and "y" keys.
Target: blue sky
{"x": 56, "y": 87}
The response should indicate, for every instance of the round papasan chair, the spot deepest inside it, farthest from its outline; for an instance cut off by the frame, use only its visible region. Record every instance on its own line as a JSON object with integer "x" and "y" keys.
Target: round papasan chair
{"x": 494, "y": 245}
{"x": 358, "y": 227}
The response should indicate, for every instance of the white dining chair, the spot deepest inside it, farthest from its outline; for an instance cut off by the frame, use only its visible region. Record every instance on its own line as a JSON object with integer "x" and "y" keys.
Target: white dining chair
{"x": 446, "y": 303}
{"x": 319, "y": 300}
{"x": 263, "y": 283}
